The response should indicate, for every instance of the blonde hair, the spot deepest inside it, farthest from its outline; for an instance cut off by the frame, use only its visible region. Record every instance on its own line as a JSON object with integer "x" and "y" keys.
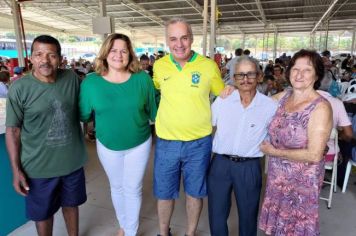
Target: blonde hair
{"x": 101, "y": 64}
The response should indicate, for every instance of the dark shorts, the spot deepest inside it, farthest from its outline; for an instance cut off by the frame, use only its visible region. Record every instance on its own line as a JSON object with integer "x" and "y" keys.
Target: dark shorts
{"x": 173, "y": 158}
{"x": 47, "y": 195}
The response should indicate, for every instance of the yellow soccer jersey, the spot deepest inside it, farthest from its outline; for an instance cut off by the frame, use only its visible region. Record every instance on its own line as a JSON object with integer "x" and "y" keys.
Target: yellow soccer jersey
{"x": 184, "y": 110}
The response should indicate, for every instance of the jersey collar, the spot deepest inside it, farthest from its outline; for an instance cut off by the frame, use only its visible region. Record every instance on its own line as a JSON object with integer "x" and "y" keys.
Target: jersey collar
{"x": 192, "y": 58}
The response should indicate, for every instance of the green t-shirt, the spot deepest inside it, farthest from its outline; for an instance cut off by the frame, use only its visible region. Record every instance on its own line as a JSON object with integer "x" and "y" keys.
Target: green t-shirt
{"x": 122, "y": 110}
{"x": 52, "y": 142}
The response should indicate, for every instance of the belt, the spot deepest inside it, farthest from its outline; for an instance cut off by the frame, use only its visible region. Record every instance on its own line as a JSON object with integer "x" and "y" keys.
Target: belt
{"x": 236, "y": 158}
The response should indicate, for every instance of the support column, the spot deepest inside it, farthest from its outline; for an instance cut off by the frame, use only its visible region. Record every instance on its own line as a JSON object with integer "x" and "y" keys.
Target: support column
{"x": 212, "y": 28}
{"x": 133, "y": 37}
{"x": 263, "y": 45}
{"x": 18, "y": 33}
{"x": 312, "y": 40}
{"x": 326, "y": 36}
{"x": 256, "y": 38}
{"x": 275, "y": 45}
{"x": 205, "y": 26}
{"x": 267, "y": 46}
{"x": 319, "y": 41}
{"x": 243, "y": 41}
{"x": 353, "y": 42}
{"x": 280, "y": 45}
{"x": 156, "y": 45}
{"x": 102, "y": 6}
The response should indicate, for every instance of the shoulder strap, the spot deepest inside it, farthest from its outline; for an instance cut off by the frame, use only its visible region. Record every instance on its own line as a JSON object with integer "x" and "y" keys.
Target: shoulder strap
{"x": 314, "y": 103}
{"x": 284, "y": 98}
{"x": 332, "y": 74}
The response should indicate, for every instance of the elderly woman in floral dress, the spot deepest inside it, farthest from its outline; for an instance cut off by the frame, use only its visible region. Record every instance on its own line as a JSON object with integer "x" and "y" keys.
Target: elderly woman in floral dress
{"x": 298, "y": 134}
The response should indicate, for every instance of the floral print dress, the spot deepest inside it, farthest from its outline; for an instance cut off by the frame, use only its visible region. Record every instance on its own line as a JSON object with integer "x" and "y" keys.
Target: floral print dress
{"x": 291, "y": 202}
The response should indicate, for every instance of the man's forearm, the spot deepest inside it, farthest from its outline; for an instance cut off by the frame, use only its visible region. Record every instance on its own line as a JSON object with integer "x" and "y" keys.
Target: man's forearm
{"x": 13, "y": 146}
{"x": 346, "y": 134}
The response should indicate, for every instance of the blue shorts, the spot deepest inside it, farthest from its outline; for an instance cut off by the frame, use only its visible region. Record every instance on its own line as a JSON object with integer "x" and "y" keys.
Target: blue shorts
{"x": 191, "y": 158}
{"x": 47, "y": 195}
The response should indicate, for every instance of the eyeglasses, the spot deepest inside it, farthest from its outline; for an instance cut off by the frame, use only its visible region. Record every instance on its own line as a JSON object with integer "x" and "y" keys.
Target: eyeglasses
{"x": 249, "y": 75}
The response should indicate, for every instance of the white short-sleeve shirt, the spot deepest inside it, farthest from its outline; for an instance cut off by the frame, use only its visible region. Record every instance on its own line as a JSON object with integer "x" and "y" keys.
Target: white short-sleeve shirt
{"x": 239, "y": 130}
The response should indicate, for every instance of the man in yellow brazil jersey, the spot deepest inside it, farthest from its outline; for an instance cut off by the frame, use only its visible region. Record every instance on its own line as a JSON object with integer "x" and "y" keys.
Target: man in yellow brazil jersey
{"x": 183, "y": 125}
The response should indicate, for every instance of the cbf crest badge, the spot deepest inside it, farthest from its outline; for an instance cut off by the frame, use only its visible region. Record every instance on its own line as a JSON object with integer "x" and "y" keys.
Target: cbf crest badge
{"x": 195, "y": 79}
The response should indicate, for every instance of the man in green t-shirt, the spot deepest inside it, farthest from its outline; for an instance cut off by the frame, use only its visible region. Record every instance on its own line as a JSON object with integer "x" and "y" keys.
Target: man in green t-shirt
{"x": 44, "y": 139}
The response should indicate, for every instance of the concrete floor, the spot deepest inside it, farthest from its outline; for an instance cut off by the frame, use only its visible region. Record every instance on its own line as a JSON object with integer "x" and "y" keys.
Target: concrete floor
{"x": 97, "y": 217}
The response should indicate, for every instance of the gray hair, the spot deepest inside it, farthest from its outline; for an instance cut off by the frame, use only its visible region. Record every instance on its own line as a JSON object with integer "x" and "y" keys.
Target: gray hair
{"x": 254, "y": 61}
{"x": 179, "y": 20}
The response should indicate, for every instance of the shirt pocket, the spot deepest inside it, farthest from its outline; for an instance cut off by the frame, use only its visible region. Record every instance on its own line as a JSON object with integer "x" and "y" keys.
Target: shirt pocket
{"x": 256, "y": 128}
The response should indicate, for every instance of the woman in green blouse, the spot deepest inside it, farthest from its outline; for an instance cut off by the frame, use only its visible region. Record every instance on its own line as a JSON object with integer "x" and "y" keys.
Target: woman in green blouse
{"x": 122, "y": 97}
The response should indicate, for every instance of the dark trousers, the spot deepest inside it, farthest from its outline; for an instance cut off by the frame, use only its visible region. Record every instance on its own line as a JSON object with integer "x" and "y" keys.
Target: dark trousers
{"x": 244, "y": 178}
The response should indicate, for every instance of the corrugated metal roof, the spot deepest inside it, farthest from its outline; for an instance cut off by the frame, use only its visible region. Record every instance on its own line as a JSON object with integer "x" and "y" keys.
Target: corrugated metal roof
{"x": 147, "y": 17}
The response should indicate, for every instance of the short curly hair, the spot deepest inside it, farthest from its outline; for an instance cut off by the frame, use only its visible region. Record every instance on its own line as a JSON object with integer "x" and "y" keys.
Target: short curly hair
{"x": 315, "y": 60}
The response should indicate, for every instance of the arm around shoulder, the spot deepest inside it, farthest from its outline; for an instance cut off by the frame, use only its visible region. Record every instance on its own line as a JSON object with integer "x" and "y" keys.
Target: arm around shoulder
{"x": 278, "y": 96}
{"x": 215, "y": 109}
{"x": 318, "y": 133}
{"x": 85, "y": 106}
{"x": 319, "y": 130}
{"x": 151, "y": 105}
{"x": 217, "y": 84}
{"x": 155, "y": 77}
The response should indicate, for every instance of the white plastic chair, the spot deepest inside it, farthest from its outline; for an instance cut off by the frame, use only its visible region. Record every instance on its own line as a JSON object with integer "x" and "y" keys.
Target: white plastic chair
{"x": 333, "y": 167}
{"x": 347, "y": 174}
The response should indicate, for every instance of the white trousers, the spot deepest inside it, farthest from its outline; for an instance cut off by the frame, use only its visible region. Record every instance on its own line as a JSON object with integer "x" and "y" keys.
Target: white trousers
{"x": 125, "y": 171}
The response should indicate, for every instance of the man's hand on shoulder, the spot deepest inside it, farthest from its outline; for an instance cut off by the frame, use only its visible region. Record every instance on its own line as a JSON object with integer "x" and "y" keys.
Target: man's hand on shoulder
{"x": 227, "y": 91}
{"x": 278, "y": 96}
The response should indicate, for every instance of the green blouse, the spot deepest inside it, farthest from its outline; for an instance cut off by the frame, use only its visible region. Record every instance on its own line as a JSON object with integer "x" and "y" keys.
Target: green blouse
{"x": 122, "y": 110}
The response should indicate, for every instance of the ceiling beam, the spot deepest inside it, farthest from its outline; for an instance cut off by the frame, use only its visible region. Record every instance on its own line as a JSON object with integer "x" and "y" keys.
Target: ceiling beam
{"x": 307, "y": 6}
{"x": 241, "y": 11}
{"x": 247, "y": 10}
{"x": 131, "y": 18}
{"x": 284, "y": 14}
{"x": 159, "y": 2}
{"x": 331, "y": 15}
{"x": 139, "y": 9}
{"x": 306, "y": 13}
{"x": 279, "y": 8}
{"x": 50, "y": 14}
{"x": 154, "y": 10}
{"x": 325, "y": 14}
{"x": 36, "y": 24}
{"x": 260, "y": 9}
{"x": 196, "y": 6}
{"x": 145, "y": 16}
{"x": 252, "y": 3}
{"x": 91, "y": 14}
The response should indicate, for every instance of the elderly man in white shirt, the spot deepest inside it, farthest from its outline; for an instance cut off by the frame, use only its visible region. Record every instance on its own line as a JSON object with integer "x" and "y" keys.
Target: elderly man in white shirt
{"x": 241, "y": 122}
